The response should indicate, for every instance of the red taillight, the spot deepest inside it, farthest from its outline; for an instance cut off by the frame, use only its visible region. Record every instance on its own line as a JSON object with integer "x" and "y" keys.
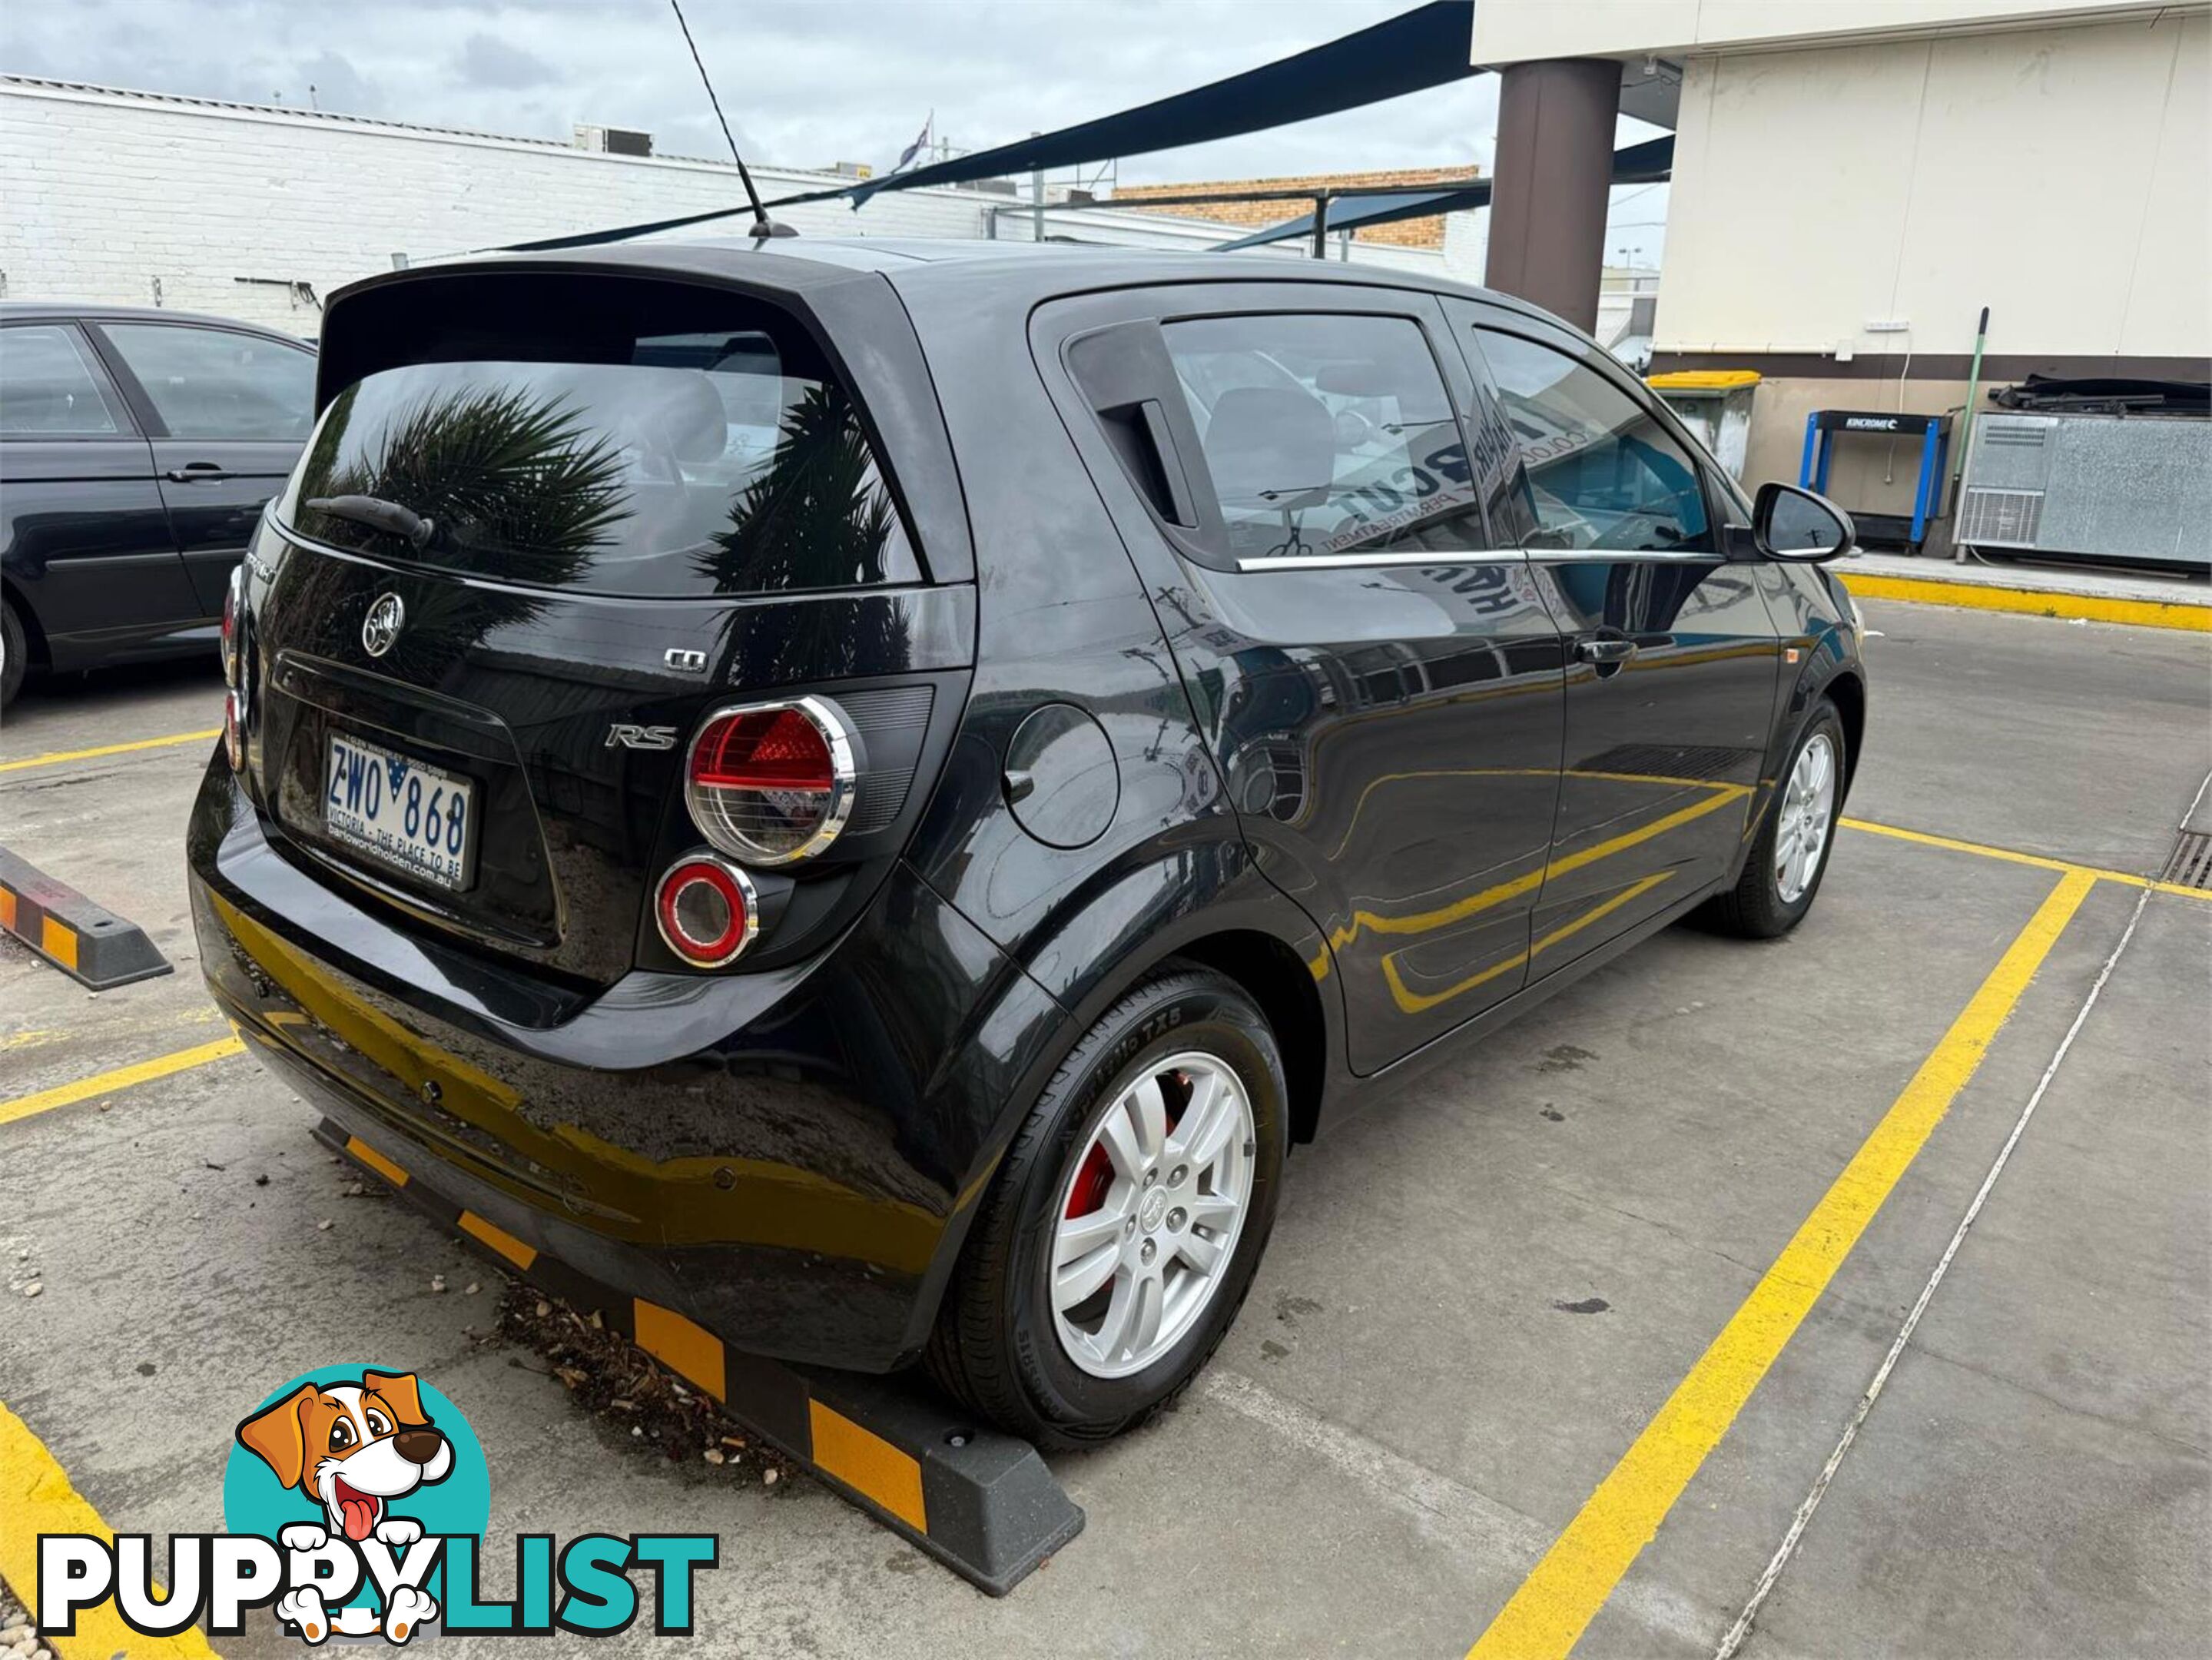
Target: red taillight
{"x": 708, "y": 911}
{"x": 772, "y": 782}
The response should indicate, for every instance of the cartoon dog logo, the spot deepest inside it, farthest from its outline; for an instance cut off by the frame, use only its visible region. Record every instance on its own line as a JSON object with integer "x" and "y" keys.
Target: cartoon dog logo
{"x": 353, "y": 1448}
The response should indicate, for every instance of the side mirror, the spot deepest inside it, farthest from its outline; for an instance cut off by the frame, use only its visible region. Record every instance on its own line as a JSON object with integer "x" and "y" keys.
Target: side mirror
{"x": 1792, "y": 524}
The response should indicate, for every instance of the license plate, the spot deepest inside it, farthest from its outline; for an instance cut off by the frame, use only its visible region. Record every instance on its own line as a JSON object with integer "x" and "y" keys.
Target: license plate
{"x": 414, "y": 817}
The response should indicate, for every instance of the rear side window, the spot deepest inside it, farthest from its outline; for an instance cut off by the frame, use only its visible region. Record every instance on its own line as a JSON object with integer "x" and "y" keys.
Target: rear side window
{"x": 217, "y": 383}
{"x": 49, "y": 387}
{"x": 1325, "y": 433}
{"x": 711, "y": 461}
{"x": 1602, "y": 473}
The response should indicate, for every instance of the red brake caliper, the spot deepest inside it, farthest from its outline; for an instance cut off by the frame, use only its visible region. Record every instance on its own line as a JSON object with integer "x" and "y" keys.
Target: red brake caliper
{"x": 1091, "y": 1181}
{"x": 1096, "y": 1175}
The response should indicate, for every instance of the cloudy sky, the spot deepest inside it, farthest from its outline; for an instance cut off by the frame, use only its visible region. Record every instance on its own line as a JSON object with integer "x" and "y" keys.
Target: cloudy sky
{"x": 804, "y": 83}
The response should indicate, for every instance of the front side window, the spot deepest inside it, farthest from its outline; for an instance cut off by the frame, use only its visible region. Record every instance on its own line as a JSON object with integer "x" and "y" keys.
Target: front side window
{"x": 726, "y": 461}
{"x": 49, "y": 387}
{"x": 1326, "y": 435}
{"x": 1601, "y": 472}
{"x": 217, "y": 383}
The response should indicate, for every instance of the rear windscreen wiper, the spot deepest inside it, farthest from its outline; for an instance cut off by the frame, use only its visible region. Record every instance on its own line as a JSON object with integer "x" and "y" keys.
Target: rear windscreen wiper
{"x": 378, "y": 513}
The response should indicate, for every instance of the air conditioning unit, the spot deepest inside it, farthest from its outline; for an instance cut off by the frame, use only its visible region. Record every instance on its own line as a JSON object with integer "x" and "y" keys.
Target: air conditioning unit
{"x": 613, "y": 141}
{"x": 2128, "y": 488}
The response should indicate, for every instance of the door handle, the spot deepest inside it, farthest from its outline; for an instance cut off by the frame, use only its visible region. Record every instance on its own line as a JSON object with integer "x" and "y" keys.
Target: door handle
{"x": 1605, "y": 652}
{"x": 195, "y": 472}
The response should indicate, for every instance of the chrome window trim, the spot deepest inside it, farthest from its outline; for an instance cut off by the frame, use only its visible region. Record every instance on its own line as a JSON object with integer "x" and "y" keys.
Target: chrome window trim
{"x": 1479, "y": 556}
{"x": 1618, "y": 556}
{"x": 301, "y": 539}
{"x": 1381, "y": 560}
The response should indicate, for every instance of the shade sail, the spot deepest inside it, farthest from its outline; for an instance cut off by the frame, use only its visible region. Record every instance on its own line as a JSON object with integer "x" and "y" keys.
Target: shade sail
{"x": 1638, "y": 164}
{"x": 1424, "y": 47}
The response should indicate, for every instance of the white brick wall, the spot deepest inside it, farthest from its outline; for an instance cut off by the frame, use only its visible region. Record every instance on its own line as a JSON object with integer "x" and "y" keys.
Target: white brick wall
{"x": 109, "y": 193}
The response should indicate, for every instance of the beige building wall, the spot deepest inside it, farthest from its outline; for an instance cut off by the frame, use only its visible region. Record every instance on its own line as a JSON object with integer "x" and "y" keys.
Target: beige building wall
{"x": 1855, "y": 180}
{"x": 2056, "y": 176}
{"x": 1516, "y": 30}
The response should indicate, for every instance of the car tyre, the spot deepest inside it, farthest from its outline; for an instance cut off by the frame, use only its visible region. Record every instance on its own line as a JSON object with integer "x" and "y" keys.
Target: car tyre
{"x": 1773, "y": 894}
{"x": 14, "y": 653}
{"x": 999, "y": 1345}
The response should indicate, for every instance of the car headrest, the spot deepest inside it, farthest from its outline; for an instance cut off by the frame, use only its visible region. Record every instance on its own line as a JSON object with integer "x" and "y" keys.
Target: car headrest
{"x": 1270, "y": 446}
{"x": 690, "y": 418}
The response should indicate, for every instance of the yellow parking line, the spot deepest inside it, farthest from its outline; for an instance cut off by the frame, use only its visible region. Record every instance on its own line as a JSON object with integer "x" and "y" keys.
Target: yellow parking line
{"x": 55, "y": 757}
{"x": 1546, "y": 1616}
{"x": 42, "y": 1036}
{"x": 36, "y": 1498}
{"x": 106, "y": 1083}
{"x": 2040, "y": 862}
{"x": 2193, "y": 616}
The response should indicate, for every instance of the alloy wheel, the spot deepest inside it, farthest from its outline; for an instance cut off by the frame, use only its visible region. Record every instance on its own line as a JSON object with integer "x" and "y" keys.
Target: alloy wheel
{"x": 1807, "y": 814}
{"x": 1147, "y": 1221}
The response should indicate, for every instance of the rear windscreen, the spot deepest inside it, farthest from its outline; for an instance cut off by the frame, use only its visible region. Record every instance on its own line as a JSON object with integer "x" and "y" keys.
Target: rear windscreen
{"x": 722, "y": 461}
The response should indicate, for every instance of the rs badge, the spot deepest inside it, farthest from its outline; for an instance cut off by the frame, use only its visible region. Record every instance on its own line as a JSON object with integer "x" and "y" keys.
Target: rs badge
{"x": 640, "y": 738}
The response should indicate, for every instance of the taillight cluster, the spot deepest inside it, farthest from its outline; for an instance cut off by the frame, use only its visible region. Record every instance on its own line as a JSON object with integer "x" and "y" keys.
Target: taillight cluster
{"x": 771, "y": 783}
{"x": 234, "y": 699}
{"x": 708, "y": 910}
{"x": 768, "y": 784}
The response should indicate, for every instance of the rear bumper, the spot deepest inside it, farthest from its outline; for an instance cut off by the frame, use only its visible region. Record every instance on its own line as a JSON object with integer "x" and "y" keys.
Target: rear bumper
{"x": 787, "y": 1158}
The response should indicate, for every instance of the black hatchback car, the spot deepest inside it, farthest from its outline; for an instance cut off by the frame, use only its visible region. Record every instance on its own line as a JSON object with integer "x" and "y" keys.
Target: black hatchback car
{"x": 137, "y": 448}
{"x": 858, "y": 797}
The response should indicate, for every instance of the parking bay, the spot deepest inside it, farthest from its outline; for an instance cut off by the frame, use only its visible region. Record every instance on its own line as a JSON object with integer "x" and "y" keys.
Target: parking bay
{"x": 1478, "y": 1294}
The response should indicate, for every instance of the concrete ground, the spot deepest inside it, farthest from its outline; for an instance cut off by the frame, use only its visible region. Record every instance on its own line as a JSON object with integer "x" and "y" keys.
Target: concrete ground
{"x": 1477, "y": 1297}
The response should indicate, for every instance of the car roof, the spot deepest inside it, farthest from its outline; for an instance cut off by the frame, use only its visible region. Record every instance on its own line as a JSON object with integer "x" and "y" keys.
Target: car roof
{"x": 1037, "y": 270}
{"x": 1015, "y": 272}
{"x": 24, "y": 311}
{"x": 1080, "y": 265}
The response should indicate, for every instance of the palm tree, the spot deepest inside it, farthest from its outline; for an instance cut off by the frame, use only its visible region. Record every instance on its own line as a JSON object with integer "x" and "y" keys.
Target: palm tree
{"x": 496, "y": 472}
{"x": 817, "y": 517}
{"x": 493, "y": 469}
